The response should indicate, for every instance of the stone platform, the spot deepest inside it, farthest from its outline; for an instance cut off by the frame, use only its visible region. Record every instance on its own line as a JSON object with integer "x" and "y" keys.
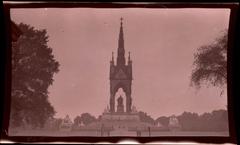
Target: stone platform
{"x": 123, "y": 122}
{"x": 120, "y": 117}
{"x": 120, "y": 124}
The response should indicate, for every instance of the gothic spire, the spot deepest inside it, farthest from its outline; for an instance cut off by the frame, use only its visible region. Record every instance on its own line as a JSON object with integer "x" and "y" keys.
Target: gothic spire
{"x": 112, "y": 61}
{"x": 129, "y": 58}
{"x": 121, "y": 51}
{"x": 112, "y": 57}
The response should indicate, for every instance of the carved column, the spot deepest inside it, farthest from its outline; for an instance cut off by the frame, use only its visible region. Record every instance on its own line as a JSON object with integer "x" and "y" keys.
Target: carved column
{"x": 128, "y": 99}
{"x": 112, "y": 102}
{"x": 128, "y": 104}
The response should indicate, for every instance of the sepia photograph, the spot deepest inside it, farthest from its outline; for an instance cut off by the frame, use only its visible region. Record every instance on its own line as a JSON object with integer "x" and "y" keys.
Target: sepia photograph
{"x": 110, "y": 72}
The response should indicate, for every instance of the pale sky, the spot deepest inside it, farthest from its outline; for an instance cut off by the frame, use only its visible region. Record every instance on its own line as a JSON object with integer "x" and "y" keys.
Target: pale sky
{"x": 162, "y": 43}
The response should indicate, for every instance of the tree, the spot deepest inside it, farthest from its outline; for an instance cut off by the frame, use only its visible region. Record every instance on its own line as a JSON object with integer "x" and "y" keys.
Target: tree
{"x": 189, "y": 121}
{"x": 33, "y": 67}
{"x": 57, "y": 123}
{"x": 217, "y": 120}
{"x": 87, "y": 118}
{"x": 163, "y": 120}
{"x": 77, "y": 120}
{"x": 145, "y": 118}
{"x": 211, "y": 63}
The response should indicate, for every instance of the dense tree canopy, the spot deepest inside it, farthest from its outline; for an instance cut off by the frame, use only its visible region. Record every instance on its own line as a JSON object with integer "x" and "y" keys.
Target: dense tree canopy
{"x": 77, "y": 120}
{"x": 217, "y": 120}
{"x": 85, "y": 118}
{"x": 144, "y": 117}
{"x": 33, "y": 67}
{"x": 163, "y": 120}
{"x": 211, "y": 63}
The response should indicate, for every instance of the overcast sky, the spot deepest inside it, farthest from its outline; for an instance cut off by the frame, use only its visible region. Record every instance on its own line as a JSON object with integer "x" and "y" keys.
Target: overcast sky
{"x": 162, "y": 43}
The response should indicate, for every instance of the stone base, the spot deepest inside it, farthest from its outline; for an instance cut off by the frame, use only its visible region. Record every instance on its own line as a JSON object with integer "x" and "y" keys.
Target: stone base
{"x": 122, "y": 122}
{"x": 120, "y": 117}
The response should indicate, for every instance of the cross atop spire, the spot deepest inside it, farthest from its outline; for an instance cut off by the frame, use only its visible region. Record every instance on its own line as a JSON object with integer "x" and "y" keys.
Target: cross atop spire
{"x": 120, "y": 77}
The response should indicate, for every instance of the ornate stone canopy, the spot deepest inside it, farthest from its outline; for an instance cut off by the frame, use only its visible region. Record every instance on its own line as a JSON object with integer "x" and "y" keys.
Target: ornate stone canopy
{"x": 121, "y": 74}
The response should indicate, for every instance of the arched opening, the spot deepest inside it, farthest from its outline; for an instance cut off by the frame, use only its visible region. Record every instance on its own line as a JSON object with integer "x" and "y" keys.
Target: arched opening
{"x": 121, "y": 93}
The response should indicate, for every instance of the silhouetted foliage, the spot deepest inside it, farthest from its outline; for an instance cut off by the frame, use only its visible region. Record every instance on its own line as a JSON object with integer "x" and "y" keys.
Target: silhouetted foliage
{"x": 86, "y": 118}
{"x": 217, "y": 120}
{"x": 163, "y": 120}
{"x": 189, "y": 121}
{"x": 77, "y": 121}
{"x": 211, "y": 63}
{"x": 33, "y": 66}
{"x": 57, "y": 123}
{"x": 53, "y": 123}
{"x": 145, "y": 118}
{"x": 99, "y": 118}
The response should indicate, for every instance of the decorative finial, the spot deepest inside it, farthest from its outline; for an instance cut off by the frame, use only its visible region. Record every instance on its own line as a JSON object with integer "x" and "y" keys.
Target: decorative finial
{"x": 121, "y": 21}
{"x": 129, "y": 55}
{"x": 112, "y": 56}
